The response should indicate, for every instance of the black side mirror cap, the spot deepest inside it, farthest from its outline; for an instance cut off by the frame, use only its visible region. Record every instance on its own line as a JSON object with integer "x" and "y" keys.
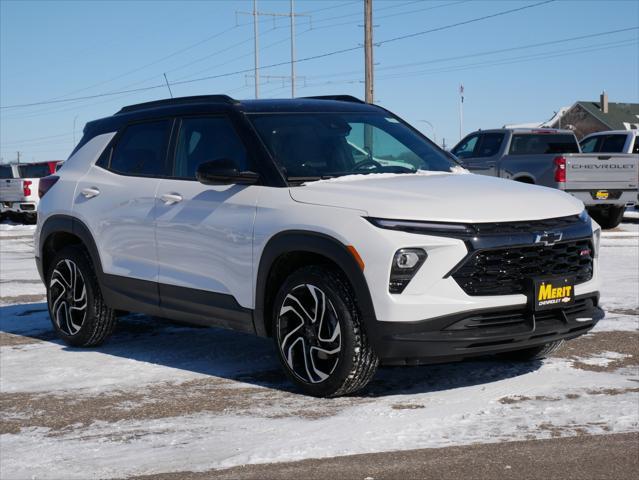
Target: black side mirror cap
{"x": 224, "y": 171}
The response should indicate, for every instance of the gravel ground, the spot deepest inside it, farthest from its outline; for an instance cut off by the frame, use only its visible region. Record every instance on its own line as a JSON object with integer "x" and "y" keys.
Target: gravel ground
{"x": 172, "y": 401}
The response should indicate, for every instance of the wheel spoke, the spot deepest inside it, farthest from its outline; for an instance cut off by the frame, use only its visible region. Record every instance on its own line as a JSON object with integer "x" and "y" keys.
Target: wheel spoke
{"x": 309, "y": 331}
{"x": 68, "y": 297}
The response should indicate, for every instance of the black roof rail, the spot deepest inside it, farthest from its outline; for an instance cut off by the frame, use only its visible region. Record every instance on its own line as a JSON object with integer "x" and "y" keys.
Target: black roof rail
{"x": 179, "y": 101}
{"x": 340, "y": 98}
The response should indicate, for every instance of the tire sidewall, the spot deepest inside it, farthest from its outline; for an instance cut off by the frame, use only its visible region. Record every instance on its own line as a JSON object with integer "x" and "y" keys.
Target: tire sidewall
{"x": 84, "y": 266}
{"x": 321, "y": 278}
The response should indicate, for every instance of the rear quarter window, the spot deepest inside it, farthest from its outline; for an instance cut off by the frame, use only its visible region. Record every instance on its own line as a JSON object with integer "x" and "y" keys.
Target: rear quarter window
{"x": 542, "y": 144}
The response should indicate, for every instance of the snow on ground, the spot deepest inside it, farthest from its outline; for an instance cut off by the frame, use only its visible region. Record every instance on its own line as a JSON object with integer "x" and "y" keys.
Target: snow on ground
{"x": 249, "y": 414}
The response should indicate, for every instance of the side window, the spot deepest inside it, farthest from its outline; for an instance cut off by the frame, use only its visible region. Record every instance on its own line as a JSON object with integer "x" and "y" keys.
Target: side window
{"x": 203, "y": 139}
{"x": 635, "y": 148}
{"x": 489, "y": 144}
{"x": 141, "y": 150}
{"x": 613, "y": 143}
{"x": 466, "y": 148}
{"x": 590, "y": 145}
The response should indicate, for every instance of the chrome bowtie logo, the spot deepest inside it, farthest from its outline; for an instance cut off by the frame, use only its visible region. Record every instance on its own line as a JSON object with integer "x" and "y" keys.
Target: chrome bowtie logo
{"x": 548, "y": 238}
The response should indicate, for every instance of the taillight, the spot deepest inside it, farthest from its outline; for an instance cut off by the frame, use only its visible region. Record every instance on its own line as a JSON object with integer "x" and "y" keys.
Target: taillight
{"x": 46, "y": 183}
{"x": 26, "y": 187}
{"x": 560, "y": 169}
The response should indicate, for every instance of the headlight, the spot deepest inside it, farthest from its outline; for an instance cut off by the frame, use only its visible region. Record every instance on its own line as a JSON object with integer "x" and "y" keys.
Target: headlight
{"x": 428, "y": 228}
{"x": 406, "y": 263}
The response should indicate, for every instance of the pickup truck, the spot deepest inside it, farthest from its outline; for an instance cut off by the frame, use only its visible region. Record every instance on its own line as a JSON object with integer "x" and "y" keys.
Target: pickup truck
{"x": 605, "y": 183}
{"x": 19, "y": 188}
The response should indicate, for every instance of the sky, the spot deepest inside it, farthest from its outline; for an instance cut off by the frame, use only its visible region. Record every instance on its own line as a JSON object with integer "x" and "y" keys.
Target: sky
{"x": 515, "y": 67}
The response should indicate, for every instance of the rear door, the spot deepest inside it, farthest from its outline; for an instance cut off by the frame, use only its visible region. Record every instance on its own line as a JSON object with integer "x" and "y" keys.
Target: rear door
{"x": 116, "y": 200}
{"x": 205, "y": 232}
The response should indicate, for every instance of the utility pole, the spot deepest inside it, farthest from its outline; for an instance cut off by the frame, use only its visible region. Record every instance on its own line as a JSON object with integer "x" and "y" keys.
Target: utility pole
{"x": 461, "y": 110}
{"x": 256, "y": 16}
{"x": 18, "y": 155}
{"x": 292, "y": 13}
{"x": 256, "y": 50}
{"x": 368, "y": 51}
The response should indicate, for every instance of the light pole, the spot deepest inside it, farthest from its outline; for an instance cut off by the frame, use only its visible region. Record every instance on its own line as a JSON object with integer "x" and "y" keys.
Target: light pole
{"x": 432, "y": 127}
{"x": 74, "y": 120}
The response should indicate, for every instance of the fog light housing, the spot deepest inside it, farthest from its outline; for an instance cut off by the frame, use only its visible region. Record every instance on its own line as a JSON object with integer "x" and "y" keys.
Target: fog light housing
{"x": 406, "y": 263}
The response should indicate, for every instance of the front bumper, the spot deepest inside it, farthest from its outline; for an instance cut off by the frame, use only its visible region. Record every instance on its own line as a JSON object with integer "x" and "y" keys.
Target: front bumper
{"x": 481, "y": 332}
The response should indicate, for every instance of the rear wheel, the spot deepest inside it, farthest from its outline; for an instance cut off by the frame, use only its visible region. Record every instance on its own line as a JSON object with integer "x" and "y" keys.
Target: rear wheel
{"x": 76, "y": 307}
{"x": 607, "y": 216}
{"x": 318, "y": 334}
{"x": 533, "y": 353}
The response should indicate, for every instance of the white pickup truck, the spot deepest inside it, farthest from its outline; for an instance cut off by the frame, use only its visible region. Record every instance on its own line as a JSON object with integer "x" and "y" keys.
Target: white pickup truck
{"x": 19, "y": 188}
{"x": 612, "y": 141}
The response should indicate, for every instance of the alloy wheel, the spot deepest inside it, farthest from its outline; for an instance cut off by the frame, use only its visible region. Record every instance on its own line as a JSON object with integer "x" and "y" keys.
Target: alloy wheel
{"x": 309, "y": 335}
{"x": 68, "y": 297}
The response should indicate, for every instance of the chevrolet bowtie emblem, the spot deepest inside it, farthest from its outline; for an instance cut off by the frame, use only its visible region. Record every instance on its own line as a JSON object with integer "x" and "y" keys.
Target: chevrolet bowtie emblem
{"x": 548, "y": 238}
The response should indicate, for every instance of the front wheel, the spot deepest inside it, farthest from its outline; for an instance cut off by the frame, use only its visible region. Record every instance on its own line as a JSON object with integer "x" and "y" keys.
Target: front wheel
{"x": 607, "y": 216}
{"x": 76, "y": 307}
{"x": 319, "y": 336}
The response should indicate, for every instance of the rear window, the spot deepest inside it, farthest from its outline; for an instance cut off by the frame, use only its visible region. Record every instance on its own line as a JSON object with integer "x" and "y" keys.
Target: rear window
{"x": 35, "y": 170}
{"x": 5, "y": 171}
{"x": 544, "y": 143}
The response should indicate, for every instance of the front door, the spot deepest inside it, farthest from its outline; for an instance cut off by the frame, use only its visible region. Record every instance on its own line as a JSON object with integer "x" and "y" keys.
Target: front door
{"x": 205, "y": 233}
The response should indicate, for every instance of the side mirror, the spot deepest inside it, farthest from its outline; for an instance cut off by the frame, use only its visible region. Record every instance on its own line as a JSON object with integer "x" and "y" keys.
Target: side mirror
{"x": 224, "y": 172}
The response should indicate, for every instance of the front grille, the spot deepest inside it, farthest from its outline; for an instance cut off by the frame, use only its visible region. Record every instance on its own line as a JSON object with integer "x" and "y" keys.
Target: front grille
{"x": 507, "y": 271}
{"x": 505, "y": 228}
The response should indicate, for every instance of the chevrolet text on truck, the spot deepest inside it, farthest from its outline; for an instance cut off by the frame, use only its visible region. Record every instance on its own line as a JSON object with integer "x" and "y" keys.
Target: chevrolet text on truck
{"x": 606, "y": 183}
{"x": 265, "y": 217}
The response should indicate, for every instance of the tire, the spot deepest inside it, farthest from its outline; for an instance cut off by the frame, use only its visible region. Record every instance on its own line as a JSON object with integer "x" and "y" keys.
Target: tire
{"x": 318, "y": 334}
{"x": 608, "y": 217}
{"x": 533, "y": 353}
{"x": 30, "y": 218}
{"x": 76, "y": 307}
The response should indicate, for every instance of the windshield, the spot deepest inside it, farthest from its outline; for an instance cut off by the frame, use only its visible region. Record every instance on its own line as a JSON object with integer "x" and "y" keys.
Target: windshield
{"x": 311, "y": 146}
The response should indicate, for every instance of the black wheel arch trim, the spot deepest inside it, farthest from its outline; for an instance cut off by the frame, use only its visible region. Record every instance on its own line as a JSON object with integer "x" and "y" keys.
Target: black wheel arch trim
{"x": 303, "y": 241}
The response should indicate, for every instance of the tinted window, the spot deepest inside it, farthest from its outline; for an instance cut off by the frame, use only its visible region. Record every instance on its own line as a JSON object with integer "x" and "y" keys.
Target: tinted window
{"x": 466, "y": 148}
{"x": 635, "y": 149}
{"x": 612, "y": 143}
{"x": 545, "y": 143}
{"x": 35, "y": 170}
{"x": 5, "y": 171}
{"x": 205, "y": 139}
{"x": 335, "y": 144}
{"x": 489, "y": 144}
{"x": 141, "y": 150}
{"x": 590, "y": 145}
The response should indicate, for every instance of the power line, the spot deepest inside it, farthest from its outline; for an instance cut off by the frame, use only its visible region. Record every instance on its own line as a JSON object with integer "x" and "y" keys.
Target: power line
{"x": 305, "y": 59}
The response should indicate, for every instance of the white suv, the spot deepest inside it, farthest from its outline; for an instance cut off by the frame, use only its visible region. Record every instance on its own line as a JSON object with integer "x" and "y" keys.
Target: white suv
{"x": 257, "y": 216}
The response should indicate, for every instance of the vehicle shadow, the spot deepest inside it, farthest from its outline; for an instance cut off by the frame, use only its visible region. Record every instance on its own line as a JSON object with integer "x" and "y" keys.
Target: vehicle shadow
{"x": 241, "y": 357}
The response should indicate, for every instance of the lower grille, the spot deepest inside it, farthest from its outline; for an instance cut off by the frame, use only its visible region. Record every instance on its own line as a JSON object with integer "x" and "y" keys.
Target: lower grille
{"x": 520, "y": 320}
{"x": 507, "y": 271}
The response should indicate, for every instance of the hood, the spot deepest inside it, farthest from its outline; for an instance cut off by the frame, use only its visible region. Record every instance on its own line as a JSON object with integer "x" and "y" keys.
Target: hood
{"x": 447, "y": 197}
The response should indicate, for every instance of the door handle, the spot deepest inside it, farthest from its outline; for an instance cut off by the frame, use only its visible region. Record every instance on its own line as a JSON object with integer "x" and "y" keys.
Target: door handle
{"x": 171, "y": 198}
{"x": 90, "y": 192}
